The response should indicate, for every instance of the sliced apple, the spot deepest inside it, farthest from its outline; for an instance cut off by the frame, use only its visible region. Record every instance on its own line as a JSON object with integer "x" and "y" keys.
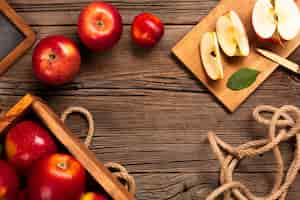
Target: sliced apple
{"x": 232, "y": 35}
{"x": 210, "y": 55}
{"x": 273, "y": 18}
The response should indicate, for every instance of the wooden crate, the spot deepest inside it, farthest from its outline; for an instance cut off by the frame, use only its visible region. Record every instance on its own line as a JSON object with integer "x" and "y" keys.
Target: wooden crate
{"x": 96, "y": 169}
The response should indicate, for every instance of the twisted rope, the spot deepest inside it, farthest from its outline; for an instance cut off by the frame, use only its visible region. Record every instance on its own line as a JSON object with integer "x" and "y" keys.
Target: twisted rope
{"x": 284, "y": 124}
{"x": 116, "y": 169}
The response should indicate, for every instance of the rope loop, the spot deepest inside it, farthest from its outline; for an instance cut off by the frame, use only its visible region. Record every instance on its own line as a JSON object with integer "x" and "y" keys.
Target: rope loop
{"x": 283, "y": 124}
{"x": 116, "y": 169}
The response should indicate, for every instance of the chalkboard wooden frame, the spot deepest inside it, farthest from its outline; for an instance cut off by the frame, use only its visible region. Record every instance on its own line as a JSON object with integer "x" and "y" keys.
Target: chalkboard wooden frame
{"x": 29, "y": 36}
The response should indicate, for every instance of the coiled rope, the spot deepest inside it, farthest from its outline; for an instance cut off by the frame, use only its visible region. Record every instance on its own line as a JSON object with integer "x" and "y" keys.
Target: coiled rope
{"x": 283, "y": 125}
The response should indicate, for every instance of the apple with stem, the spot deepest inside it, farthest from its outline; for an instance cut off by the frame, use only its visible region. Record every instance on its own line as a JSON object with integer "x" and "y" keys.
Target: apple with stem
{"x": 100, "y": 26}
{"x": 56, "y": 60}
{"x": 56, "y": 177}
{"x": 276, "y": 20}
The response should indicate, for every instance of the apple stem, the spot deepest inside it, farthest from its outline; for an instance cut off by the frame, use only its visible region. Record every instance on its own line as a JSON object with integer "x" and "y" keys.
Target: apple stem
{"x": 100, "y": 23}
{"x": 52, "y": 56}
{"x": 62, "y": 165}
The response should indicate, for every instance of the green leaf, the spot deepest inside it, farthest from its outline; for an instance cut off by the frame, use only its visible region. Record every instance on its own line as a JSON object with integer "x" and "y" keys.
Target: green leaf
{"x": 242, "y": 79}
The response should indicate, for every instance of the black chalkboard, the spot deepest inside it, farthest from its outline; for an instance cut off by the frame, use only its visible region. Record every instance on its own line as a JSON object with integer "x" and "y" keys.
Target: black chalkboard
{"x": 10, "y": 36}
{"x": 16, "y": 37}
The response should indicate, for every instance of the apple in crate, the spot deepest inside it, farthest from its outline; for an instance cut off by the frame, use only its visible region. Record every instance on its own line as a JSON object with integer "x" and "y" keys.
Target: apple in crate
{"x": 232, "y": 35}
{"x": 276, "y": 20}
{"x": 93, "y": 196}
{"x": 147, "y": 30}
{"x": 26, "y": 143}
{"x": 56, "y": 177}
{"x": 210, "y": 56}
{"x": 9, "y": 182}
{"x": 56, "y": 60}
{"x": 100, "y": 26}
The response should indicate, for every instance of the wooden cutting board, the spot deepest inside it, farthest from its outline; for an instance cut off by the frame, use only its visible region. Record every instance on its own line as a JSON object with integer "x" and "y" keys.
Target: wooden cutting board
{"x": 187, "y": 51}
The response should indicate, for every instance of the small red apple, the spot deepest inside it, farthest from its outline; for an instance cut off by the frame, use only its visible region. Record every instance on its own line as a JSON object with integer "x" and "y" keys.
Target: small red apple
{"x": 56, "y": 60}
{"x": 93, "y": 196}
{"x": 147, "y": 30}
{"x": 27, "y": 142}
{"x": 9, "y": 182}
{"x": 56, "y": 177}
{"x": 100, "y": 26}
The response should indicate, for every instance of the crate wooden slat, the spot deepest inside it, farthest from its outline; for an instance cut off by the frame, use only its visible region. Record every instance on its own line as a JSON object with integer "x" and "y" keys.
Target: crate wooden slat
{"x": 29, "y": 36}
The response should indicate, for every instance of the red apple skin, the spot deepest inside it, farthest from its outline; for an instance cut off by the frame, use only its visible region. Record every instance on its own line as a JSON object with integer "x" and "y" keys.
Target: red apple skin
{"x": 9, "y": 182}
{"x": 275, "y": 39}
{"x": 56, "y": 177}
{"x": 56, "y": 60}
{"x": 23, "y": 195}
{"x": 100, "y": 26}
{"x": 147, "y": 30}
{"x": 93, "y": 196}
{"x": 26, "y": 143}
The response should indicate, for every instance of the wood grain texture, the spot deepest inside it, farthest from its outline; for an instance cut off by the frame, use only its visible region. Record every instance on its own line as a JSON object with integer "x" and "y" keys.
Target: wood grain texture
{"x": 151, "y": 114}
{"x": 187, "y": 51}
{"x": 60, "y": 12}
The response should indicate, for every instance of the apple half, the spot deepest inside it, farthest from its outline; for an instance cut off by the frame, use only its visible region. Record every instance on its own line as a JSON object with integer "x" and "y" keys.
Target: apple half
{"x": 232, "y": 35}
{"x": 210, "y": 55}
{"x": 276, "y": 20}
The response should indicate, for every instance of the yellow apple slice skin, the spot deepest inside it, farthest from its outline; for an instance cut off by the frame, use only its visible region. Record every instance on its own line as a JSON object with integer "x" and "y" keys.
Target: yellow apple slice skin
{"x": 276, "y": 20}
{"x": 241, "y": 37}
{"x": 226, "y": 35}
{"x": 232, "y": 35}
{"x": 288, "y": 16}
{"x": 210, "y": 56}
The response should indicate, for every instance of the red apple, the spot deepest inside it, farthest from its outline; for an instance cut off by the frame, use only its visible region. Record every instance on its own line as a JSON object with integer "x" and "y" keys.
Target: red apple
{"x": 23, "y": 195}
{"x": 93, "y": 196}
{"x": 56, "y": 60}
{"x": 56, "y": 177}
{"x": 100, "y": 26}
{"x": 147, "y": 30}
{"x": 9, "y": 182}
{"x": 27, "y": 142}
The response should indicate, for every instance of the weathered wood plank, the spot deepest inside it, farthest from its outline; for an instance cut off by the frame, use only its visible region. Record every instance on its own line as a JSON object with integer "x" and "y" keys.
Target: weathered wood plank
{"x": 198, "y": 186}
{"x": 154, "y": 134}
{"x": 61, "y": 12}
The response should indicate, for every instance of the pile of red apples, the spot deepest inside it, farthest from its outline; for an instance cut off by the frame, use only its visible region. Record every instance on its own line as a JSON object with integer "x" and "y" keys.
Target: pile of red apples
{"x": 56, "y": 59}
{"x": 32, "y": 168}
{"x": 273, "y": 21}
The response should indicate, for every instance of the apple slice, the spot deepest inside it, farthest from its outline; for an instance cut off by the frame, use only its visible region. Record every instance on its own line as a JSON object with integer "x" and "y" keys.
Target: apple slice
{"x": 210, "y": 55}
{"x": 276, "y": 18}
{"x": 232, "y": 35}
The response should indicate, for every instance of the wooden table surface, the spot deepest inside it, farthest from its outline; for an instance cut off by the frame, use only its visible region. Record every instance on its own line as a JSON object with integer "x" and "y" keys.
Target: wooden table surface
{"x": 151, "y": 114}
